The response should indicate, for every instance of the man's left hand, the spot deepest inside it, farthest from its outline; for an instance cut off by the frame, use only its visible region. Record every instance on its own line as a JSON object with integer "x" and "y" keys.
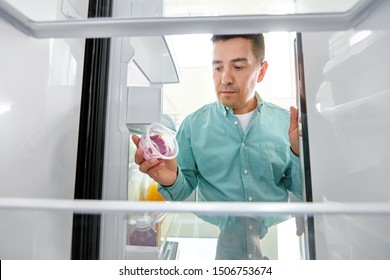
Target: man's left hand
{"x": 293, "y": 131}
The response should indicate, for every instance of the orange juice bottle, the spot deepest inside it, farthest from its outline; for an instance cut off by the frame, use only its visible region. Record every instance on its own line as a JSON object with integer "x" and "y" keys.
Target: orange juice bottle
{"x": 152, "y": 193}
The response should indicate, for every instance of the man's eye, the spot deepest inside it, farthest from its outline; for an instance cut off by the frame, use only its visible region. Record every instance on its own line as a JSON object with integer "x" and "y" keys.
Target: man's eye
{"x": 217, "y": 69}
{"x": 238, "y": 67}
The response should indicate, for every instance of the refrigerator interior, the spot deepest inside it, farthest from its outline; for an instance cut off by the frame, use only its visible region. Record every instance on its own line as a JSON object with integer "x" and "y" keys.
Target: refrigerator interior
{"x": 342, "y": 97}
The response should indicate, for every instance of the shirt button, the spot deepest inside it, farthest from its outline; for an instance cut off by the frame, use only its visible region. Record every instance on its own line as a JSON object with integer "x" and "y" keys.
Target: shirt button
{"x": 242, "y": 144}
{"x": 250, "y": 198}
{"x": 249, "y": 256}
{"x": 224, "y": 113}
{"x": 235, "y": 122}
{"x": 250, "y": 227}
{"x": 245, "y": 171}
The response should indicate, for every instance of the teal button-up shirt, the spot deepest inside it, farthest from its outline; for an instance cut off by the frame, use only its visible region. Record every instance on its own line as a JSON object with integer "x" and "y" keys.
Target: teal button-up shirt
{"x": 226, "y": 164}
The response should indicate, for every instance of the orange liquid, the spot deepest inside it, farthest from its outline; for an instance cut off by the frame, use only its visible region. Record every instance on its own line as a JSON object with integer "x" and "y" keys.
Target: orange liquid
{"x": 153, "y": 194}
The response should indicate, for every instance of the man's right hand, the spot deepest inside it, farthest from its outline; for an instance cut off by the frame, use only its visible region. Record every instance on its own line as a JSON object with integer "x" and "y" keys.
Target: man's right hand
{"x": 162, "y": 171}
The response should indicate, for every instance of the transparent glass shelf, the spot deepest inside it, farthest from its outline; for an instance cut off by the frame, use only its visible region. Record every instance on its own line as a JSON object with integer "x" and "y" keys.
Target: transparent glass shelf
{"x": 70, "y": 10}
{"x": 69, "y": 18}
{"x": 350, "y": 231}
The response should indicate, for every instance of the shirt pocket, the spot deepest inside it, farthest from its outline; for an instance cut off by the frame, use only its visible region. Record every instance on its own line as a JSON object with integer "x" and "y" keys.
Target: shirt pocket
{"x": 273, "y": 161}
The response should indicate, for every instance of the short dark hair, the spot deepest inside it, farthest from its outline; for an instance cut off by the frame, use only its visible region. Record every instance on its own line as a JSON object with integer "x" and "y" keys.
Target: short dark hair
{"x": 258, "y": 47}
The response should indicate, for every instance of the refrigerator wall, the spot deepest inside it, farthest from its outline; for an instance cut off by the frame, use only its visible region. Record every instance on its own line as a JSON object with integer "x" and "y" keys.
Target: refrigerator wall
{"x": 40, "y": 90}
{"x": 347, "y": 96}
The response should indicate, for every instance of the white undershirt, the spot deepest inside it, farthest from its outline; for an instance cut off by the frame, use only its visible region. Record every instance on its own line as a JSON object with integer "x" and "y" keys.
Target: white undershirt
{"x": 244, "y": 119}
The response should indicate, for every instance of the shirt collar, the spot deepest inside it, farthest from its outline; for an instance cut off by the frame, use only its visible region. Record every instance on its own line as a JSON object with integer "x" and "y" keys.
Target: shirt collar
{"x": 227, "y": 110}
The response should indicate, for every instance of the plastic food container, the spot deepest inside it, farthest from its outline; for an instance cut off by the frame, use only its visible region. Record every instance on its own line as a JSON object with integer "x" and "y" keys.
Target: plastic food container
{"x": 159, "y": 142}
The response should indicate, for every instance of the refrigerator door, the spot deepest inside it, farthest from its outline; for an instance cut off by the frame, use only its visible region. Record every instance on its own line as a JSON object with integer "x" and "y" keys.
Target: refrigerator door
{"x": 40, "y": 92}
{"x": 347, "y": 92}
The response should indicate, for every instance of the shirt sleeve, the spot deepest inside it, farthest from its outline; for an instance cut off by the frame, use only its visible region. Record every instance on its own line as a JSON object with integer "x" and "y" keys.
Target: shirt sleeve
{"x": 292, "y": 178}
{"x": 179, "y": 191}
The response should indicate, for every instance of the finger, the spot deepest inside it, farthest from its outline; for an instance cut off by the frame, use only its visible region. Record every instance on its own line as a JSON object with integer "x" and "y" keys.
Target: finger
{"x": 293, "y": 118}
{"x": 294, "y": 113}
{"x": 160, "y": 165}
{"x": 135, "y": 139}
{"x": 139, "y": 156}
{"x": 148, "y": 165}
{"x": 154, "y": 170}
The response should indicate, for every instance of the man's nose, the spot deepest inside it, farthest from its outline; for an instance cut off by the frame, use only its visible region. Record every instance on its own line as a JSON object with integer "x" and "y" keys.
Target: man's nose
{"x": 227, "y": 78}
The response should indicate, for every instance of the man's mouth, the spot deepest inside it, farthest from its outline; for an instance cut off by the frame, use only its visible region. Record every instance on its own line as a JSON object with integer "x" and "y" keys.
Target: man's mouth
{"x": 227, "y": 91}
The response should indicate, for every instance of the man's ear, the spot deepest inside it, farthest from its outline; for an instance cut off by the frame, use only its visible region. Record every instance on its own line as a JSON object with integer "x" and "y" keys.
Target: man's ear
{"x": 263, "y": 69}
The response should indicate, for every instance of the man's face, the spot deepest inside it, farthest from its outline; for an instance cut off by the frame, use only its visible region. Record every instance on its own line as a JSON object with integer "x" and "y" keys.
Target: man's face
{"x": 236, "y": 72}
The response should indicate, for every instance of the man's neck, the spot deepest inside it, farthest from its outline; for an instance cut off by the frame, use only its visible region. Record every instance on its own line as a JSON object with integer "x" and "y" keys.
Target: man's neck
{"x": 252, "y": 104}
